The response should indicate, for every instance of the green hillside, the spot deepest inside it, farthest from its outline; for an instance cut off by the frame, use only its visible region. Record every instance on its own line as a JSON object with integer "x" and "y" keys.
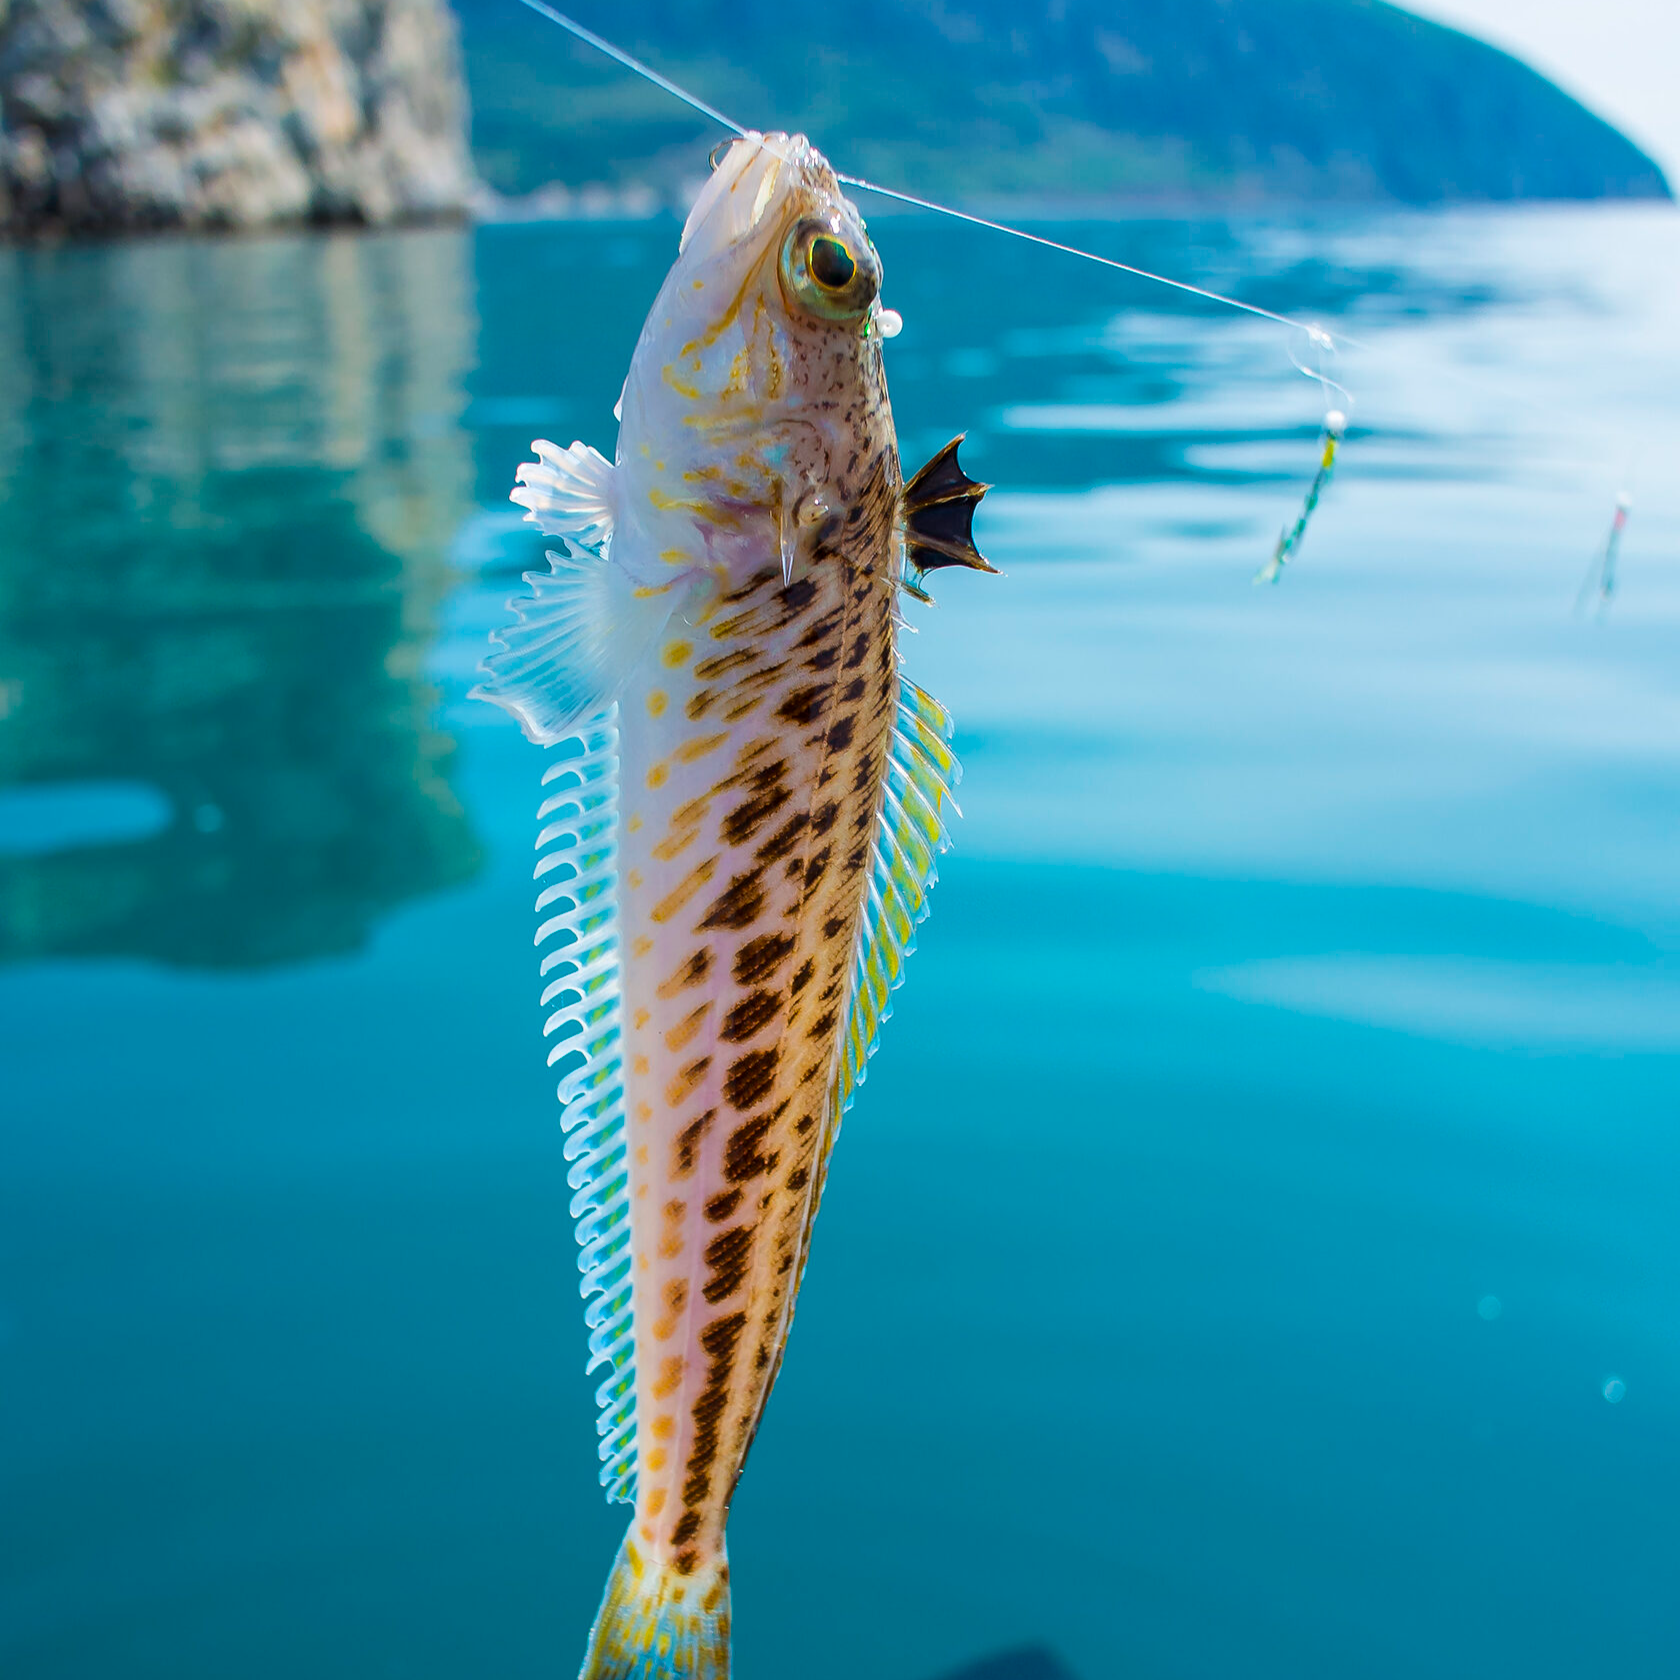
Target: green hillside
{"x": 1342, "y": 99}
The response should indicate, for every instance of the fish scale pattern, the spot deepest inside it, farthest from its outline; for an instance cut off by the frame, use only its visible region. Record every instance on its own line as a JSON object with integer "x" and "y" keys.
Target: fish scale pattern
{"x": 578, "y": 934}
{"x": 921, "y": 771}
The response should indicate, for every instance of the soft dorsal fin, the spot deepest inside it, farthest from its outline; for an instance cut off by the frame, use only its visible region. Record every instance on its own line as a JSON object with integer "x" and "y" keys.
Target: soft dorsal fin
{"x": 938, "y": 506}
{"x": 916, "y": 804}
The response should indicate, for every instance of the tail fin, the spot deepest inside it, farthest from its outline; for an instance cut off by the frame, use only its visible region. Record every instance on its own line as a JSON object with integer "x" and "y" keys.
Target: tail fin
{"x": 658, "y": 1624}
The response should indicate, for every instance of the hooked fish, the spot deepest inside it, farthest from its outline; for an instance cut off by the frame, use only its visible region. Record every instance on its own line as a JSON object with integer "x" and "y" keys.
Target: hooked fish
{"x": 738, "y": 839}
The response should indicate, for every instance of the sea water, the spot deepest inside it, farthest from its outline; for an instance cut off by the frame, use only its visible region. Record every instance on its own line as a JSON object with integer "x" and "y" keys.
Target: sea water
{"x": 1256, "y": 1252}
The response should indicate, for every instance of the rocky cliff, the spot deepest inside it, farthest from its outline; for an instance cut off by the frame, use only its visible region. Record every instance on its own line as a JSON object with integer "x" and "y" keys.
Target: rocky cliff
{"x": 129, "y": 114}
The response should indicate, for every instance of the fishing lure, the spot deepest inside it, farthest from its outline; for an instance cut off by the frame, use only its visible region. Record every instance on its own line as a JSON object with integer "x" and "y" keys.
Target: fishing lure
{"x": 1331, "y": 431}
{"x": 739, "y": 837}
{"x": 1289, "y": 539}
{"x": 1601, "y": 574}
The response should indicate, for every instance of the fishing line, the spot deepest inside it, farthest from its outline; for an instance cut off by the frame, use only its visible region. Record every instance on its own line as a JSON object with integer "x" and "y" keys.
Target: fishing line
{"x": 630, "y": 62}
{"x": 1335, "y": 420}
{"x": 618, "y": 55}
{"x": 1089, "y": 256}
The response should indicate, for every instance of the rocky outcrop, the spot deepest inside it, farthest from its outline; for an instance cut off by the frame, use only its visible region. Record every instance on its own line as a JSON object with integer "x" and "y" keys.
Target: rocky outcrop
{"x": 131, "y": 114}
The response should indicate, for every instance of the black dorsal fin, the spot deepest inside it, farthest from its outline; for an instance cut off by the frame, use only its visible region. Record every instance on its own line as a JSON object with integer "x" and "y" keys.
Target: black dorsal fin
{"x": 939, "y": 515}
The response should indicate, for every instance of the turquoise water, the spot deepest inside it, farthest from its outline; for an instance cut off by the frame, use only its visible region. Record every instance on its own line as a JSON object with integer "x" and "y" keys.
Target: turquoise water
{"x": 1256, "y": 1250}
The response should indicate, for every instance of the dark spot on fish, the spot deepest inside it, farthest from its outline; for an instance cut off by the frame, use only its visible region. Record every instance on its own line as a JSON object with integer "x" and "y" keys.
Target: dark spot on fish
{"x": 722, "y": 1205}
{"x": 824, "y": 1023}
{"x": 742, "y": 1157}
{"x": 751, "y": 587}
{"x": 832, "y": 926}
{"x": 825, "y": 627}
{"x": 783, "y": 840}
{"x": 857, "y": 653}
{"x": 804, "y": 705}
{"x": 687, "y": 1079}
{"x": 799, "y": 1178}
{"x": 738, "y": 708}
{"x": 799, "y": 594}
{"x": 750, "y": 1078}
{"x": 759, "y": 958}
{"x": 709, "y": 670}
{"x": 840, "y": 733}
{"x": 822, "y": 538}
{"x": 753, "y": 1013}
{"x": 685, "y": 1561}
{"x": 802, "y": 977}
{"x": 822, "y": 820}
{"x": 853, "y": 690}
{"x": 691, "y": 973}
{"x": 685, "y": 1148}
{"x": 738, "y": 906}
{"x": 728, "y": 1254}
{"x": 719, "y": 1341}
{"x": 741, "y": 824}
{"x": 742, "y": 624}
{"x": 815, "y": 868}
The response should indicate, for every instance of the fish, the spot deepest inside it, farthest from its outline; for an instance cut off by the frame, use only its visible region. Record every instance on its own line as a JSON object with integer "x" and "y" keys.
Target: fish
{"x": 743, "y": 807}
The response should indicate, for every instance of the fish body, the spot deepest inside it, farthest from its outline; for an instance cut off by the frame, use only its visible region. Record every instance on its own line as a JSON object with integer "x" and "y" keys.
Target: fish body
{"x": 739, "y": 838}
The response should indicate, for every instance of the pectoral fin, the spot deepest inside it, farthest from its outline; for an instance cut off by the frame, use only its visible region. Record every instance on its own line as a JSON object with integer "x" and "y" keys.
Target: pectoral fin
{"x": 585, "y": 624}
{"x": 568, "y": 492}
{"x": 938, "y": 515}
{"x": 575, "y": 639}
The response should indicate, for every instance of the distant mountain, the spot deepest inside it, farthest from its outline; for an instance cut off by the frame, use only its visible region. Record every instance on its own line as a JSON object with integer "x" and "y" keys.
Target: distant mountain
{"x": 1247, "y": 99}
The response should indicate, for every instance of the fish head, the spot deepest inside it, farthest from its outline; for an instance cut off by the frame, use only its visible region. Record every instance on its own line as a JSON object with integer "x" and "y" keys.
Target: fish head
{"x": 773, "y": 220}
{"x": 760, "y": 363}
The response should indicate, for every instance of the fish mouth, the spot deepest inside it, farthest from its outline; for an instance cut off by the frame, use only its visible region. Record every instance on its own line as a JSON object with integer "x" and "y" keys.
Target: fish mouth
{"x": 751, "y": 189}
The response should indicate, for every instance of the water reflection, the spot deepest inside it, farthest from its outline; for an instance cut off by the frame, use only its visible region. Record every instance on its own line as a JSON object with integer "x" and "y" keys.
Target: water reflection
{"x": 1033, "y": 1662}
{"x": 228, "y": 473}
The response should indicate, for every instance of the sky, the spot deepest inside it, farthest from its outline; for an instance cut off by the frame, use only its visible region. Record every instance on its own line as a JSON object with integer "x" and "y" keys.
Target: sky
{"x": 1620, "y": 58}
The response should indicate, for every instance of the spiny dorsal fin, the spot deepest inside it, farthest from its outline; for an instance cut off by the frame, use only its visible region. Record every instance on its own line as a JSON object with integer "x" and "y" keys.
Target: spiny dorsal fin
{"x": 939, "y": 507}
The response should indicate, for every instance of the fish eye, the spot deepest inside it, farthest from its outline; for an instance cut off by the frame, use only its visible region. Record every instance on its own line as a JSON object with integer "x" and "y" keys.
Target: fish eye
{"x": 824, "y": 275}
{"x": 832, "y": 265}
